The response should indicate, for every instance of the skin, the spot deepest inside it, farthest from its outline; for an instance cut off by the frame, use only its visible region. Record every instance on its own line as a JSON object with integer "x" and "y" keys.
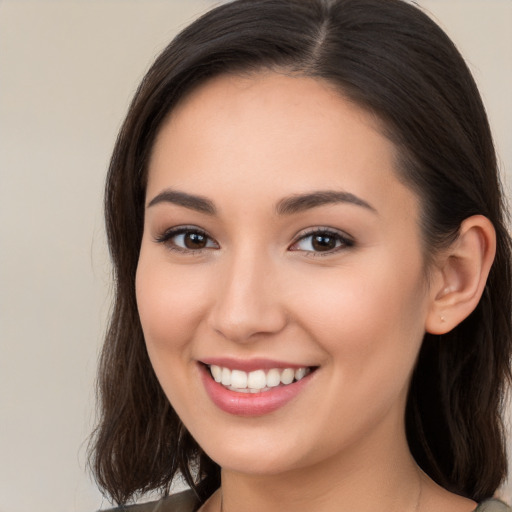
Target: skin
{"x": 259, "y": 289}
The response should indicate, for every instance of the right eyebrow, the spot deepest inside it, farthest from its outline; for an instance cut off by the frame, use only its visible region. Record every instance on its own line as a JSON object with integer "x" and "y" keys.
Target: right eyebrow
{"x": 193, "y": 202}
{"x": 301, "y": 202}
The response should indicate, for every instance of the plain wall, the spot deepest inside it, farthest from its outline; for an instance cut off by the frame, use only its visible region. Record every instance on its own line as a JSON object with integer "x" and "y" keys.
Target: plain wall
{"x": 67, "y": 72}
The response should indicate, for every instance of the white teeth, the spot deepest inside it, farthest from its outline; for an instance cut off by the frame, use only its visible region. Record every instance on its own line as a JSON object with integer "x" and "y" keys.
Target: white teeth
{"x": 258, "y": 380}
{"x": 216, "y": 372}
{"x": 300, "y": 373}
{"x": 226, "y": 377}
{"x": 287, "y": 376}
{"x": 238, "y": 379}
{"x": 273, "y": 378}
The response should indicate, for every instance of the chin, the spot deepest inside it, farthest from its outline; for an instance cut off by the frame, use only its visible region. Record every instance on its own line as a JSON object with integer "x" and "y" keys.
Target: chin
{"x": 259, "y": 455}
{"x": 252, "y": 463}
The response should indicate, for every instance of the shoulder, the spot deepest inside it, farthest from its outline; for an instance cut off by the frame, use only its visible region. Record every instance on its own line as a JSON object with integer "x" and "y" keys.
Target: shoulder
{"x": 185, "y": 501}
{"x": 493, "y": 506}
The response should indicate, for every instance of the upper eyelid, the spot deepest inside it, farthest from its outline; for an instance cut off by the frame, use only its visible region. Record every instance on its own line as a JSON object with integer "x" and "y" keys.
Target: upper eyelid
{"x": 184, "y": 227}
{"x": 347, "y": 241}
{"x": 304, "y": 233}
{"x": 177, "y": 230}
{"x": 321, "y": 229}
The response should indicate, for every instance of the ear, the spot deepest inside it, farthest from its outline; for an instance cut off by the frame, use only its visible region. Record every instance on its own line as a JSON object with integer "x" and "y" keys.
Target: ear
{"x": 460, "y": 275}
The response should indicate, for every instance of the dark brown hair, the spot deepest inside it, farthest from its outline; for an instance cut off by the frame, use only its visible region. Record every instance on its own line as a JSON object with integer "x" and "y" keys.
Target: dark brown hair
{"x": 391, "y": 59}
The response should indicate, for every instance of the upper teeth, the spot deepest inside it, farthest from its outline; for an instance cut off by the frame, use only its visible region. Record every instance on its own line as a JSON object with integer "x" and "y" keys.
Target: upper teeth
{"x": 258, "y": 380}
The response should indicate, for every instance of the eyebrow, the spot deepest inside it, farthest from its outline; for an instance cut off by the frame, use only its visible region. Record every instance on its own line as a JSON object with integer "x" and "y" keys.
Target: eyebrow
{"x": 287, "y": 206}
{"x": 193, "y": 202}
{"x": 301, "y": 202}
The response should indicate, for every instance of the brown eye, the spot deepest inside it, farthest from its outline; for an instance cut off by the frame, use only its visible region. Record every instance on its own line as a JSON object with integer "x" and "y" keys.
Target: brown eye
{"x": 193, "y": 240}
{"x": 323, "y": 242}
{"x": 186, "y": 239}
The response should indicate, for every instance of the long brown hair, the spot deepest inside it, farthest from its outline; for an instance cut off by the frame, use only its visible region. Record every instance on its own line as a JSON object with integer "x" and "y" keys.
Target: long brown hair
{"x": 391, "y": 59}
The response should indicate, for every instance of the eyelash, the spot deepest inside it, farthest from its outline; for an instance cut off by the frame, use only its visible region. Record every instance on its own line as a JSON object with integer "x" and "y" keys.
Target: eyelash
{"x": 341, "y": 240}
{"x": 167, "y": 236}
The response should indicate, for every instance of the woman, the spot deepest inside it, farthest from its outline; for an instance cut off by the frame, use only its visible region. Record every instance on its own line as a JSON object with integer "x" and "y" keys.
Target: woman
{"x": 312, "y": 269}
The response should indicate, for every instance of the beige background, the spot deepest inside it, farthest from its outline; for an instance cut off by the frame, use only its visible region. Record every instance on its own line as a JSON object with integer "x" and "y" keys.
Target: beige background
{"x": 67, "y": 72}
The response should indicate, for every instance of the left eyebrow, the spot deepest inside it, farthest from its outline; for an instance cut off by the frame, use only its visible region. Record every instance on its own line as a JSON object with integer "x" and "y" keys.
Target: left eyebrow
{"x": 193, "y": 202}
{"x": 301, "y": 202}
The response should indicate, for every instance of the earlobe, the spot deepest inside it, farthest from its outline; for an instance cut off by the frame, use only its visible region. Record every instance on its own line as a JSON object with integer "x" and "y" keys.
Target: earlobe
{"x": 461, "y": 274}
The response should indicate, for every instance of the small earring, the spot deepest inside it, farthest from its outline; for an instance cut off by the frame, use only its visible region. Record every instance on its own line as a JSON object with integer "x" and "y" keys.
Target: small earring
{"x": 443, "y": 319}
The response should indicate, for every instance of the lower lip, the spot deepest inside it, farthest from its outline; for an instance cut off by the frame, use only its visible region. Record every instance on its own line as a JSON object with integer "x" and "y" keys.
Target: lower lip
{"x": 251, "y": 404}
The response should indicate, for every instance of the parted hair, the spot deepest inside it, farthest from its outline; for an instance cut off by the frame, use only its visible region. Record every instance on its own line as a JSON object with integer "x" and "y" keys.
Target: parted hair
{"x": 392, "y": 60}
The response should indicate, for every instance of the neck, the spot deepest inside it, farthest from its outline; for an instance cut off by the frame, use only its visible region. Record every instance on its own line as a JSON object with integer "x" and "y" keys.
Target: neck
{"x": 379, "y": 476}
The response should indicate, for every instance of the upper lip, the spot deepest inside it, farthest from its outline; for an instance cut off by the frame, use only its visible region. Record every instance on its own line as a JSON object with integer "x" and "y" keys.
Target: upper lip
{"x": 249, "y": 365}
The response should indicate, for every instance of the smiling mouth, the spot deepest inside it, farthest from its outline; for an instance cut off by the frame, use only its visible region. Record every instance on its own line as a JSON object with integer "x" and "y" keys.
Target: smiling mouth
{"x": 257, "y": 381}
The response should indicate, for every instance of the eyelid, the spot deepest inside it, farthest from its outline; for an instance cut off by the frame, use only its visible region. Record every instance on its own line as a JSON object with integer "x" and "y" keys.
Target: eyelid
{"x": 346, "y": 240}
{"x": 166, "y": 236}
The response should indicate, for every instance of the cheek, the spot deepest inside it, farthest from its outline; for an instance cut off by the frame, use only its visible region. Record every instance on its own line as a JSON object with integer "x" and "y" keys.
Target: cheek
{"x": 372, "y": 329}
{"x": 170, "y": 302}
{"x": 369, "y": 319}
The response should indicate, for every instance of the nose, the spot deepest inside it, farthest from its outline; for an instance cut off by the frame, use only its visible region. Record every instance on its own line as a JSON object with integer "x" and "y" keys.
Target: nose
{"x": 248, "y": 303}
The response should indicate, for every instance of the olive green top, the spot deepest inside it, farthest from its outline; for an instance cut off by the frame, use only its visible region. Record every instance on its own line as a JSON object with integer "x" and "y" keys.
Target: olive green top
{"x": 187, "y": 502}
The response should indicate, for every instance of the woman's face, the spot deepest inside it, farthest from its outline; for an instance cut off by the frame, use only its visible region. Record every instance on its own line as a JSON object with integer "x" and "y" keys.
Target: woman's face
{"x": 281, "y": 252}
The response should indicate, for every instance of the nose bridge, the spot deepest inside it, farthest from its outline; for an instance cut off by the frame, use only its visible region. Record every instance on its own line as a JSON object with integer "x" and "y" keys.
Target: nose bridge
{"x": 248, "y": 301}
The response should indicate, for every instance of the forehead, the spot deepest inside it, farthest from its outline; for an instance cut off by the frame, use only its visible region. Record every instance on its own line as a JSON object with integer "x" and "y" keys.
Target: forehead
{"x": 267, "y": 96}
{"x": 275, "y": 134}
